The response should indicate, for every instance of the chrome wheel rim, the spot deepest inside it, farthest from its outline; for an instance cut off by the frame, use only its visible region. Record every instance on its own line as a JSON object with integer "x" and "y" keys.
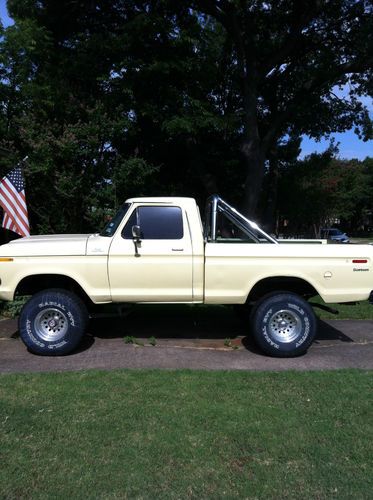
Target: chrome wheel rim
{"x": 285, "y": 326}
{"x": 51, "y": 324}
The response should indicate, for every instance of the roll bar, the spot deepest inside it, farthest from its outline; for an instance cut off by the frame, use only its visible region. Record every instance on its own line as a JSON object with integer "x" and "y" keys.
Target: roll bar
{"x": 215, "y": 205}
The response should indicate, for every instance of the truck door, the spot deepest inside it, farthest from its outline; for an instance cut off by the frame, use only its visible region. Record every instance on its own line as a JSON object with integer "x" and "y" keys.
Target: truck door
{"x": 162, "y": 268}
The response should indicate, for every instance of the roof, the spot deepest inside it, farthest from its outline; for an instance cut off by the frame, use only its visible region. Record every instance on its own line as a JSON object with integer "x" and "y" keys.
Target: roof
{"x": 174, "y": 200}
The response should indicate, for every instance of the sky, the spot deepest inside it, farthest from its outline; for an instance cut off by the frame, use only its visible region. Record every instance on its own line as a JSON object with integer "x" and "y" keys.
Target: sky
{"x": 350, "y": 146}
{"x": 5, "y": 19}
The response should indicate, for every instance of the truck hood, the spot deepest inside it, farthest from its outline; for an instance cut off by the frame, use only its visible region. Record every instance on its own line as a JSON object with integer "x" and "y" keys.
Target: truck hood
{"x": 56, "y": 244}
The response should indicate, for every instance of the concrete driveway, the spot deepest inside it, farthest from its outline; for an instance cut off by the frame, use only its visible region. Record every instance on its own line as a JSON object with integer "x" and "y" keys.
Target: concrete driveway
{"x": 186, "y": 337}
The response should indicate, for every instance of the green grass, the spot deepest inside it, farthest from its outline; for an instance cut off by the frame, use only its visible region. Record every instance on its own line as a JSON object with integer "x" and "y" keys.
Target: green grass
{"x": 361, "y": 310}
{"x": 180, "y": 434}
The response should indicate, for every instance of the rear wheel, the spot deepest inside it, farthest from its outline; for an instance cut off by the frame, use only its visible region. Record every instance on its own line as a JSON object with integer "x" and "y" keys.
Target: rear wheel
{"x": 283, "y": 324}
{"x": 53, "y": 322}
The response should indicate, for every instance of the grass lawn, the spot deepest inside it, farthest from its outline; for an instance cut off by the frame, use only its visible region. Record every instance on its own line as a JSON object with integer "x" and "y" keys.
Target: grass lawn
{"x": 361, "y": 310}
{"x": 181, "y": 434}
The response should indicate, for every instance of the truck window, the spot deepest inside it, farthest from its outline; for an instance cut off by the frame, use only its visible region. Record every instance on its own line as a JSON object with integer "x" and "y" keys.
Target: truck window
{"x": 156, "y": 223}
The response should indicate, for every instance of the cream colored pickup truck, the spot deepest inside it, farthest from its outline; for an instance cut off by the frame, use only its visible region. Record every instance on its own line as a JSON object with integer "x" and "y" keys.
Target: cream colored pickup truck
{"x": 158, "y": 250}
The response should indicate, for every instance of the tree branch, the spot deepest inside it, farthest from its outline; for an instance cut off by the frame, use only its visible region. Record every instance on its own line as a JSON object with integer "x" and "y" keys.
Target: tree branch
{"x": 327, "y": 77}
{"x": 304, "y": 13}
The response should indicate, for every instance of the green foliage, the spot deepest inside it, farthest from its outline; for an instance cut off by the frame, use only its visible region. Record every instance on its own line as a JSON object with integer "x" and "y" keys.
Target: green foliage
{"x": 228, "y": 343}
{"x": 322, "y": 189}
{"x": 13, "y": 309}
{"x": 115, "y": 99}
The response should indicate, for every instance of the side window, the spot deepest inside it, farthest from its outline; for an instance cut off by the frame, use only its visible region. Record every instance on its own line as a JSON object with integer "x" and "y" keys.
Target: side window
{"x": 156, "y": 223}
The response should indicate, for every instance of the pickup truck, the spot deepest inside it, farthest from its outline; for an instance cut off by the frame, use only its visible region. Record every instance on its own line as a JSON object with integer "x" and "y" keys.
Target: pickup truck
{"x": 156, "y": 250}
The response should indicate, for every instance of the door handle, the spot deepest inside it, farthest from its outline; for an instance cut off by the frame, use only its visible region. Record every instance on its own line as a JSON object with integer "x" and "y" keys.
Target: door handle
{"x": 178, "y": 249}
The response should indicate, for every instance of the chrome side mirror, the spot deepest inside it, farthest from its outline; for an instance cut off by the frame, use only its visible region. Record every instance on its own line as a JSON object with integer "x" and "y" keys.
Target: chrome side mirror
{"x": 136, "y": 233}
{"x": 136, "y": 236}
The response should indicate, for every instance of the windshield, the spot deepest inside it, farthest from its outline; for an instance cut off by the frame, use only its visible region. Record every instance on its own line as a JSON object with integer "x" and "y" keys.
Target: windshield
{"x": 113, "y": 224}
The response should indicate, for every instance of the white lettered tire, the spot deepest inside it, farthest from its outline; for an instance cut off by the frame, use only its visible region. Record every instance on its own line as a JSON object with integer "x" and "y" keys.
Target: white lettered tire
{"x": 53, "y": 322}
{"x": 283, "y": 324}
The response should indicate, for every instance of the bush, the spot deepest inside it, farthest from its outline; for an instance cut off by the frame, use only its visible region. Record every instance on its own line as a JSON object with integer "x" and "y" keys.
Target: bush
{"x": 12, "y": 309}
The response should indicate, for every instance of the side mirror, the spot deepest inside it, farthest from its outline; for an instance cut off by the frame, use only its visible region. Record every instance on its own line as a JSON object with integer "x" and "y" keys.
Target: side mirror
{"x": 136, "y": 236}
{"x": 136, "y": 233}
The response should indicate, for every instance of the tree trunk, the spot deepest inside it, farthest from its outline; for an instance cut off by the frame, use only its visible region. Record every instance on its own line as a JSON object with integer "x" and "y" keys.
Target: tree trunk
{"x": 269, "y": 222}
{"x": 196, "y": 160}
{"x": 254, "y": 160}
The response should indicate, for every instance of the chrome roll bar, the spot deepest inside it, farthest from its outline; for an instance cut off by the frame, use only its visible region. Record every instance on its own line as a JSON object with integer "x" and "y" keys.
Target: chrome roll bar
{"x": 215, "y": 204}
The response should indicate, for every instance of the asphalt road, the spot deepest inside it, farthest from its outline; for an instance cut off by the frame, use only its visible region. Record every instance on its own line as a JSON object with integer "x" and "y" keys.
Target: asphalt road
{"x": 188, "y": 338}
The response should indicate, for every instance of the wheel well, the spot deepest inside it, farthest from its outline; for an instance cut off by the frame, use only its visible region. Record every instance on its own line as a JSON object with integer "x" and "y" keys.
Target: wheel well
{"x": 39, "y": 282}
{"x": 281, "y": 283}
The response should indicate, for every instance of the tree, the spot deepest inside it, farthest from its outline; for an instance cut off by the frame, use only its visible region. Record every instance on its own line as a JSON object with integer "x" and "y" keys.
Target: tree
{"x": 289, "y": 57}
{"x": 63, "y": 117}
{"x": 114, "y": 99}
{"x": 95, "y": 121}
{"x": 322, "y": 189}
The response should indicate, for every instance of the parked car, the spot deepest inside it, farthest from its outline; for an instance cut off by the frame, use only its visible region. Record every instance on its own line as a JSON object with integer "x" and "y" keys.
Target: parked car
{"x": 334, "y": 234}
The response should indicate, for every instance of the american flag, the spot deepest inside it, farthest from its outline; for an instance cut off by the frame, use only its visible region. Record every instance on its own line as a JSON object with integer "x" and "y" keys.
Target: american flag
{"x": 13, "y": 201}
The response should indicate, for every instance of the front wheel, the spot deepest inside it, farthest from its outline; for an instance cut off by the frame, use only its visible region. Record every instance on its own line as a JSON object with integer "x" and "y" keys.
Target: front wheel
{"x": 53, "y": 322}
{"x": 283, "y": 324}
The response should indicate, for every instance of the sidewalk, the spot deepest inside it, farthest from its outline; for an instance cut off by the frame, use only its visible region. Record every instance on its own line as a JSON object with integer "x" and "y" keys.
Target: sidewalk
{"x": 8, "y": 328}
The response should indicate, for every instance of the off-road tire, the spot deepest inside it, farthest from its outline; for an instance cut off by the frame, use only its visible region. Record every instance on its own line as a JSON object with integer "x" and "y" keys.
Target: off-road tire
{"x": 283, "y": 324}
{"x": 53, "y": 322}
